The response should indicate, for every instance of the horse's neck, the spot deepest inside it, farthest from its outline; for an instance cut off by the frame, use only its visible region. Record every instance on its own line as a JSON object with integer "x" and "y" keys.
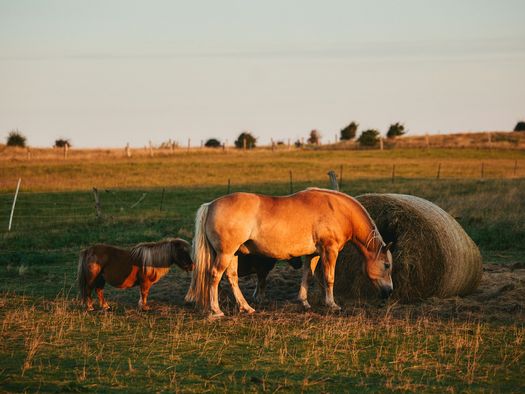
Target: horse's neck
{"x": 367, "y": 237}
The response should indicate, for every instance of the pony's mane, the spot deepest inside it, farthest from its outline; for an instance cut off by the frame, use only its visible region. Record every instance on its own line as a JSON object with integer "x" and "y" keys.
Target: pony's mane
{"x": 154, "y": 254}
{"x": 374, "y": 233}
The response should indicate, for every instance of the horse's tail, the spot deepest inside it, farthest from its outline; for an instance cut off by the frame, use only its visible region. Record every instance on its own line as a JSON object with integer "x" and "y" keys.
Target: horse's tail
{"x": 82, "y": 275}
{"x": 203, "y": 255}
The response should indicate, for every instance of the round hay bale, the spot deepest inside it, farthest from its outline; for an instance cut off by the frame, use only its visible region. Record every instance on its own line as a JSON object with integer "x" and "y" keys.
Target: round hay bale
{"x": 432, "y": 254}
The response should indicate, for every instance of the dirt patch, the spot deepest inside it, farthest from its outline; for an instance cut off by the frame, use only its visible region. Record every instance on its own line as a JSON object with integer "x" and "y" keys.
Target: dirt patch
{"x": 499, "y": 297}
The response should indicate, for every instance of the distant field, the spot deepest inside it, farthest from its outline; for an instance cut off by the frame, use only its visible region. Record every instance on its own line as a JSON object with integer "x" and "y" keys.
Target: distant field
{"x": 214, "y": 167}
{"x": 466, "y": 344}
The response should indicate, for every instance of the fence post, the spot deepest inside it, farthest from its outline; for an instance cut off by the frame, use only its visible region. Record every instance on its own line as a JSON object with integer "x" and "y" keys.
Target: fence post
{"x": 393, "y": 172}
{"x": 162, "y": 198}
{"x": 482, "y": 170}
{"x": 14, "y": 203}
{"x": 289, "y": 144}
{"x": 128, "y": 151}
{"x": 229, "y": 186}
{"x": 291, "y": 182}
{"x": 439, "y": 171}
{"x": 97, "y": 202}
{"x": 189, "y": 142}
{"x": 150, "y": 149}
{"x": 341, "y": 177}
{"x": 66, "y": 149}
{"x": 380, "y": 143}
{"x": 273, "y": 144}
{"x": 28, "y": 153}
{"x": 333, "y": 180}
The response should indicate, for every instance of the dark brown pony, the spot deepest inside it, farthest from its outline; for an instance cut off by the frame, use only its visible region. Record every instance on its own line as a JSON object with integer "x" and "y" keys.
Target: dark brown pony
{"x": 261, "y": 265}
{"x": 142, "y": 265}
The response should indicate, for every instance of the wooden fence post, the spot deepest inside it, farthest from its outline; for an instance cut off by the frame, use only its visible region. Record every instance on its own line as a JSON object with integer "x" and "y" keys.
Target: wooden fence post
{"x": 393, "y": 172}
{"x": 341, "y": 177}
{"x": 439, "y": 171}
{"x": 482, "y": 170}
{"x": 380, "y": 143}
{"x": 28, "y": 153}
{"x": 189, "y": 142}
{"x": 229, "y": 186}
{"x": 289, "y": 144}
{"x": 333, "y": 180}
{"x": 14, "y": 203}
{"x": 66, "y": 149}
{"x": 150, "y": 149}
{"x": 97, "y": 202}
{"x": 291, "y": 182}
{"x": 128, "y": 151}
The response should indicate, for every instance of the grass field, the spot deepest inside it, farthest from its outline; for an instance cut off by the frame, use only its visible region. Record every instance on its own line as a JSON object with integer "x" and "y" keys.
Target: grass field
{"x": 50, "y": 344}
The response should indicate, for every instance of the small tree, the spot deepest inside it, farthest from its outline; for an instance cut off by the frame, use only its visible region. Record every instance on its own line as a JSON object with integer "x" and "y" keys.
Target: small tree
{"x": 349, "y": 132}
{"x": 520, "y": 126}
{"x": 248, "y": 137}
{"x": 16, "y": 138}
{"x": 314, "y": 138}
{"x": 212, "y": 143}
{"x": 61, "y": 142}
{"x": 395, "y": 130}
{"x": 369, "y": 138}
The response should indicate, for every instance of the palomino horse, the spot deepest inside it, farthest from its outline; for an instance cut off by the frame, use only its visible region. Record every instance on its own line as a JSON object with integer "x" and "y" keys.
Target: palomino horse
{"x": 314, "y": 222}
{"x": 143, "y": 265}
{"x": 261, "y": 265}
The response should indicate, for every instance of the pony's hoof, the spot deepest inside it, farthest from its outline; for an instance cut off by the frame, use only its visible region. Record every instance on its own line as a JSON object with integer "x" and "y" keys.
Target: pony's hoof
{"x": 144, "y": 308}
{"x": 106, "y": 307}
{"x": 90, "y": 309}
{"x": 306, "y": 305}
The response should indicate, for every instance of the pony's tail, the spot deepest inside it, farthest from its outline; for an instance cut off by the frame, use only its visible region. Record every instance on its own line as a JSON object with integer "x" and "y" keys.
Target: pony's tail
{"x": 82, "y": 275}
{"x": 203, "y": 255}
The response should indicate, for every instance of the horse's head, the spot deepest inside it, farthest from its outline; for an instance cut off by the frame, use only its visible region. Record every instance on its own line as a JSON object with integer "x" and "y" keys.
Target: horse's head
{"x": 181, "y": 254}
{"x": 379, "y": 270}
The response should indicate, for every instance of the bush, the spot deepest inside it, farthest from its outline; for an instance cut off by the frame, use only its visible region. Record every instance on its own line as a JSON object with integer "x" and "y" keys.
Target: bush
{"x": 520, "y": 126}
{"x": 395, "y": 130}
{"x": 248, "y": 137}
{"x": 314, "y": 137}
{"x": 349, "y": 132}
{"x": 16, "y": 138}
{"x": 213, "y": 143}
{"x": 61, "y": 142}
{"x": 369, "y": 138}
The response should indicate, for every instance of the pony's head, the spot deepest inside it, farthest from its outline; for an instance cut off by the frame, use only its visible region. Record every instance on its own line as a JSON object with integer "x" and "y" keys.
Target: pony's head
{"x": 379, "y": 269}
{"x": 181, "y": 254}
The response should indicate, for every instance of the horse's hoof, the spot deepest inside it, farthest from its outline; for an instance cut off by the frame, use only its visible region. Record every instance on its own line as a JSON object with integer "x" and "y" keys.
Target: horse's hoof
{"x": 90, "y": 309}
{"x": 248, "y": 310}
{"x": 306, "y": 305}
{"x": 144, "y": 308}
{"x": 106, "y": 307}
{"x": 215, "y": 316}
{"x": 334, "y": 308}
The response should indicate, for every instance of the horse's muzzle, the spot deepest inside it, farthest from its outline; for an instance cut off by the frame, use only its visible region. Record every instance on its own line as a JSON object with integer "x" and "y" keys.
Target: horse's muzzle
{"x": 386, "y": 292}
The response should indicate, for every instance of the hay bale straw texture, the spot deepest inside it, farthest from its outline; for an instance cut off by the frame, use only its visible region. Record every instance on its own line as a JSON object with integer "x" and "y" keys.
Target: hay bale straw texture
{"x": 433, "y": 256}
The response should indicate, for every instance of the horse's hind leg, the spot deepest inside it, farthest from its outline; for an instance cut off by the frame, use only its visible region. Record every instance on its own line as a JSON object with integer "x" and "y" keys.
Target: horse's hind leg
{"x": 99, "y": 289}
{"x": 233, "y": 278}
{"x": 310, "y": 262}
{"x": 145, "y": 285}
{"x": 219, "y": 266}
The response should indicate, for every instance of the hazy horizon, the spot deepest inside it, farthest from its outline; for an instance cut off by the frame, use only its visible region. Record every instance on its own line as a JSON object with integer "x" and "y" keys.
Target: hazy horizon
{"x": 103, "y": 74}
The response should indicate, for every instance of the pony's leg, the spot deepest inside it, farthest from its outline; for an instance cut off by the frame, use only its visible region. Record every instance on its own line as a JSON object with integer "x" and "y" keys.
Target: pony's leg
{"x": 221, "y": 262}
{"x": 233, "y": 278}
{"x": 89, "y": 300}
{"x": 260, "y": 289}
{"x": 145, "y": 285}
{"x": 310, "y": 262}
{"x": 99, "y": 289}
{"x": 329, "y": 256}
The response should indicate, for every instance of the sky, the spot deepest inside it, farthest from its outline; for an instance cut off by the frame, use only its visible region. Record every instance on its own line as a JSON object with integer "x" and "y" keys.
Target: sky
{"x": 107, "y": 73}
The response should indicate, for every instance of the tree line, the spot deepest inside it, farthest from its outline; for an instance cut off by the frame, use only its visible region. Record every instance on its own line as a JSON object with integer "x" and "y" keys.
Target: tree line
{"x": 246, "y": 140}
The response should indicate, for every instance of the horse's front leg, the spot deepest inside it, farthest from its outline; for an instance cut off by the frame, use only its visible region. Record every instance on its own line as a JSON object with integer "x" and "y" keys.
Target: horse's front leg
{"x": 233, "y": 278}
{"x": 329, "y": 256}
{"x": 310, "y": 262}
{"x": 99, "y": 288}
